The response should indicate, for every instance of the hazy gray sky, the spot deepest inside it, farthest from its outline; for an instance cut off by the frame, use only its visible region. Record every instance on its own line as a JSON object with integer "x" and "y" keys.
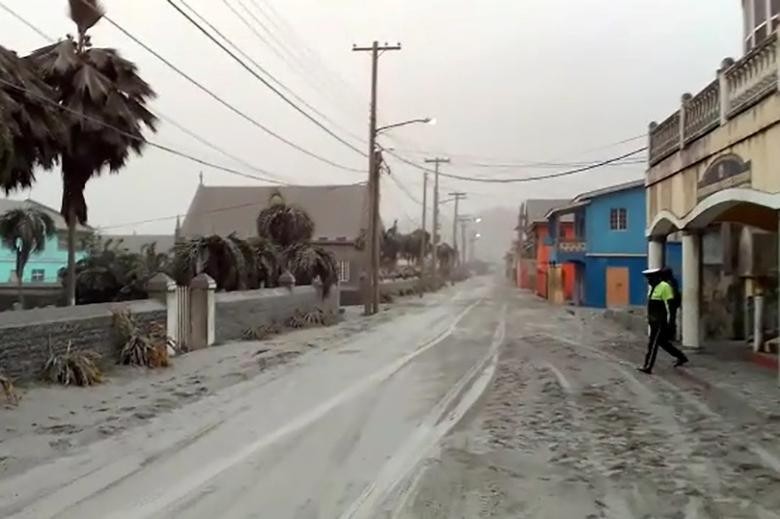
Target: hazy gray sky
{"x": 518, "y": 80}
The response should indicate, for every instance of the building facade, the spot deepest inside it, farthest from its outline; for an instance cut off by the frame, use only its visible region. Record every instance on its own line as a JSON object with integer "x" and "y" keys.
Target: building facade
{"x": 42, "y": 268}
{"x": 713, "y": 176}
{"x": 607, "y": 250}
{"x": 338, "y": 212}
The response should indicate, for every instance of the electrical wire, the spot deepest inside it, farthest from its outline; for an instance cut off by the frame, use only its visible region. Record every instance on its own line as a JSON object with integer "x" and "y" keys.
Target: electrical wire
{"x": 514, "y": 180}
{"x": 262, "y": 69}
{"x": 25, "y": 22}
{"x": 224, "y": 103}
{"x": 203, "y": 213}
{"x": 162, "y": 147}
{"x": 267, "y": 83}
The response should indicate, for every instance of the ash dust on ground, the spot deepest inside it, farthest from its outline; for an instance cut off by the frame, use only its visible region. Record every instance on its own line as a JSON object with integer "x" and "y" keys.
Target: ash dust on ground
{"x": 568, "y": 429}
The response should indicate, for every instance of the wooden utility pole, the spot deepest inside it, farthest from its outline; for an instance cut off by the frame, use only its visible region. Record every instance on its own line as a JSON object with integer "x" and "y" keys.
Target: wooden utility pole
{"x": 436, "y": 161}
{"x": 371, "y": 303}
{"x": 458, "y": 197}
{"x": 423, "y": 241}
{"x": 464, "y": 221}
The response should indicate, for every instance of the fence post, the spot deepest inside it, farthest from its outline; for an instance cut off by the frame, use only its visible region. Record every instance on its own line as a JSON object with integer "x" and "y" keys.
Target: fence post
{"x": 287, "y": 280}
{"x": 163, "y": 289}
{"x": 202, "y": 311}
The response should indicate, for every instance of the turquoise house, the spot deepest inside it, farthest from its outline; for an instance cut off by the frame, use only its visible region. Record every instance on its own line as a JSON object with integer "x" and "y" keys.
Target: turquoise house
{"x": 42, "y": 268}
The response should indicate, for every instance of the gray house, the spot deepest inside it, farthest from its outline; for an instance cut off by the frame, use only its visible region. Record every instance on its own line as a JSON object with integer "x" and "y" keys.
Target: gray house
{"x": 339, "y": 215}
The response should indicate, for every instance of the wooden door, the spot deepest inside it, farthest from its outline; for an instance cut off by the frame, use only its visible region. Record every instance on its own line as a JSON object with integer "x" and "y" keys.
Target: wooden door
{"x": 617, "y": 287}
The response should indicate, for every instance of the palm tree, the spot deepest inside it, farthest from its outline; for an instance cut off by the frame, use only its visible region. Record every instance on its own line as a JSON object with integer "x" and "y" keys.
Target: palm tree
{"x": 307, "y": 262}
{"x": 285, "y": 224}
{"x": 446, "y": 256}
{"x": 25, "y": 231}
{"x": 32, "y": 131}
{"x": 107, "y": 90}
{"x": 392, "y": 243}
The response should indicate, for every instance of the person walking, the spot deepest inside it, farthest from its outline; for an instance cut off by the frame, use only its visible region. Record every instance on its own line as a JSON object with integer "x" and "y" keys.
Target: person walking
{"x": 660, "y": 302}
{"x": 667, "y": 274}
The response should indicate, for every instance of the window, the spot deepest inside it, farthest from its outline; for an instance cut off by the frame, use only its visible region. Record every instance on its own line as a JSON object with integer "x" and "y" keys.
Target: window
{"x": 618, "y": 219}
{"x": 343, "y": 271}
{"x": 38, "y": 276}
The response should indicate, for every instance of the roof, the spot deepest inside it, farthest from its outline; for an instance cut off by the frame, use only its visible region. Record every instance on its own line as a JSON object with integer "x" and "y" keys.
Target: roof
{"x": 584, "y": 199}
{"x": 135, "y": 242}
{"x": 625, "y": 186}
{"x": 6, "y": 204}
{"x": 338, "y": 212}
{"x": 536, "y": 209}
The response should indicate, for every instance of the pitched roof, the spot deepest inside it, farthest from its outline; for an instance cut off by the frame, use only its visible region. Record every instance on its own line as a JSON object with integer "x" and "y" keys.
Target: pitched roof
{"x": 135, "y": 242}
{"x": 338, "y": 212}
{"x": 610, "y": 189}
{"x": 60, "y": 224}
{"x": 537, "y": 209}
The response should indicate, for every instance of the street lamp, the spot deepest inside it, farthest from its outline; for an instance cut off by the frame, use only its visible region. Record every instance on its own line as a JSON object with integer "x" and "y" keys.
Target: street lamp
{"x": 478, "y": 220}
{"x": 427, "y": 120}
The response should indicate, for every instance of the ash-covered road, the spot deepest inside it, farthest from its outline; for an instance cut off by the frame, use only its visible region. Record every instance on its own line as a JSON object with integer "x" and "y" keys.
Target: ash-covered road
{"x": 483, "y": 403}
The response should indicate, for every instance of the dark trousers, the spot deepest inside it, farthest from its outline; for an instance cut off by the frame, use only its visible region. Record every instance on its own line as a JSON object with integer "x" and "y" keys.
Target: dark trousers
{"x": 660, "y": 337}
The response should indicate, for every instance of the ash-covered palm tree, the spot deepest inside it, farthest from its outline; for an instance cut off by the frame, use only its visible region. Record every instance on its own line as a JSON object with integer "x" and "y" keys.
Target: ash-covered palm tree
{"x": 107, "y": 103}
{"x": 285, "y": 225}
{"x": 307, "y": 262}
{"x": 32, "y": 131}
{"x": 25, "y": 231}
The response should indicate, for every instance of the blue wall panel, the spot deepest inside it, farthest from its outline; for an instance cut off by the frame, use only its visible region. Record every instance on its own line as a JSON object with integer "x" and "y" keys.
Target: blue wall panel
{"x": 602, "y": 239}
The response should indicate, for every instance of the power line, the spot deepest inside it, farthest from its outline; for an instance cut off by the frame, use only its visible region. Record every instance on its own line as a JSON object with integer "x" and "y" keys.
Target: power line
{"x": 162, "y": 147}
{"x": 25, "y": 22}
{"x": 522, "y": 179}
{"x": 199, "y": 213}
{"x": 266, "y": 82}
{"x": 226, "y": 104}
{"x": 262, "y": 69}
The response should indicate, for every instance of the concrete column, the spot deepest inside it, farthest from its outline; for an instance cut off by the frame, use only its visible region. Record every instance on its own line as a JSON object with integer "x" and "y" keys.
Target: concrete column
{"x": 656, "y": 248}
{"x": 758, "y": 322}
{"x": 163, "y": 289}
{"x": 778, "y": 306}
{"x": 724, "y": 90}
{"x": 203, "y": 311}
{"x": 691, "y": 290}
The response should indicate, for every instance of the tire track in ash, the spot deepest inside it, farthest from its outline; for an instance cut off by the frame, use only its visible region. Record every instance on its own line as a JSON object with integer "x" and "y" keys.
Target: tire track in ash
{"x": 714, "y": 452}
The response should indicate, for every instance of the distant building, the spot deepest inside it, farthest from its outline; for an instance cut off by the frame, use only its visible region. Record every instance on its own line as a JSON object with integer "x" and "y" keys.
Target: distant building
{"x": 607, "y": 250}
{"x": 339, "y": 215}
{"x": 533, "y": 254}
{"x": 44, "y": 267}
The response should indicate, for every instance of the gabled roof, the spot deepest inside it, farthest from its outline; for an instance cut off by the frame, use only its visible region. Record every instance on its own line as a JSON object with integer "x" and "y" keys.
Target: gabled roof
{"x": 338, "y": 212}
{"x": 7, "y": 204}
{"x": 584, "y": 199}
{"x": 536, "y": 209}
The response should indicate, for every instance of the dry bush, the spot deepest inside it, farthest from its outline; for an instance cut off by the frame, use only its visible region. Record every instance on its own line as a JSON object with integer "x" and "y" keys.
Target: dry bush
{"x": 138, "y": 348}
{"x": 316, "y": 317}
{"x": 262, "y": 332}
{"x": 73, "y": 368}
{"x": 11, "y": 396}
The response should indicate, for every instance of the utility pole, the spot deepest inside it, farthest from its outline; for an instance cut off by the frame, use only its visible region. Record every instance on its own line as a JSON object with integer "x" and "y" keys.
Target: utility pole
{"x": 371, "y": 303}
{"x": 424, "y": 216}
{"x": 458, "y": 197}
{"x": 436, "y": 161}
{"x": 464, "y": 220}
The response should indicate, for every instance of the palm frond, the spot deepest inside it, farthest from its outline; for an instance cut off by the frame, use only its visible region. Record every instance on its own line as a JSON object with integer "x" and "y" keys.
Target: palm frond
{"x": 308, "y": 262}
{"x": 285, "y": 224}
{"x": 85, "y": 13}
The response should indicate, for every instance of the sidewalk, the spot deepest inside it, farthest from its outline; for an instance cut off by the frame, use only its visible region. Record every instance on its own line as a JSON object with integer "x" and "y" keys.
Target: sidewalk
{"x": 727, "y": 373}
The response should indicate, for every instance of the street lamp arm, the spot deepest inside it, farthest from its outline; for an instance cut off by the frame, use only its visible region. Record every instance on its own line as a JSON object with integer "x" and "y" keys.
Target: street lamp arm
{"x": 426, "y": 120}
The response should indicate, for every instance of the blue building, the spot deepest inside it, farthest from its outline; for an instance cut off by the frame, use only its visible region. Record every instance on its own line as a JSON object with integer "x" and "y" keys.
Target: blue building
{"x": 609, "y": 247}
{"x": 42, "y": 268}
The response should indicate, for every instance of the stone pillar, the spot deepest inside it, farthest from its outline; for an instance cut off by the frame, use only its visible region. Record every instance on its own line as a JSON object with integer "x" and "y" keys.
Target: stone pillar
{"x": 724, "y": 90}
{"x": 163, "y": 289}
{"x": 691, "y": 290}
{"x": 202, "y": 311}
{"x": 287, "y": 280}
{"x": 684, "y": 102}
{"x": 656, "y": 252}
{"x": 758, "y": 321}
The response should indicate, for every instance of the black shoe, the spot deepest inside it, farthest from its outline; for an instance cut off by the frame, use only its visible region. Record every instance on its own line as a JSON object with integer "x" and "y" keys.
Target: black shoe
{"x": 681, "y": 362}
{"x": 645, "y": 370}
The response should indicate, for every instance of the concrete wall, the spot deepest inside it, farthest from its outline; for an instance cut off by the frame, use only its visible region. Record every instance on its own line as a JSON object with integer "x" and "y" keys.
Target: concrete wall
{"x": 25, "y": 335}
{"x": 351, "y": 296}
{"x": 239, "y": 311}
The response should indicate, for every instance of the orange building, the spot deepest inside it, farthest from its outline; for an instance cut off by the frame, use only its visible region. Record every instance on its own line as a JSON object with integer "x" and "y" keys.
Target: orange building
{"x": 533, "y": 265}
